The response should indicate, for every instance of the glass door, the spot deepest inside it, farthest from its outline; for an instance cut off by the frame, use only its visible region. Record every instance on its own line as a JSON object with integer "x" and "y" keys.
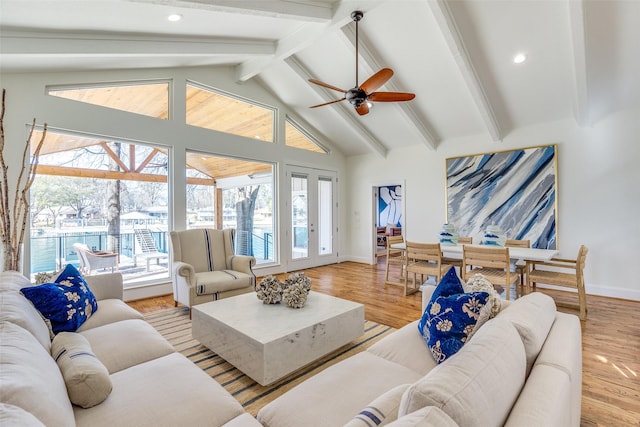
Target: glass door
{"x": 313, "y": 230}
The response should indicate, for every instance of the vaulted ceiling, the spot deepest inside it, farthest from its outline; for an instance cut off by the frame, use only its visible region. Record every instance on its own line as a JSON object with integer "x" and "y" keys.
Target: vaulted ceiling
{"x": 582, "y": 57}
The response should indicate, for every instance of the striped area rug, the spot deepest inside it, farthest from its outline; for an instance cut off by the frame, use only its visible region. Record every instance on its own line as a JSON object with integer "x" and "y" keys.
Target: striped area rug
{"x": 174, "y": 324}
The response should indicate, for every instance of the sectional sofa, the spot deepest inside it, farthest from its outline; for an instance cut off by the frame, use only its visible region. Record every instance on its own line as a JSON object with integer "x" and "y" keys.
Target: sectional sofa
{"x": 523, "y": 368}
{"x": 145, "y": 381}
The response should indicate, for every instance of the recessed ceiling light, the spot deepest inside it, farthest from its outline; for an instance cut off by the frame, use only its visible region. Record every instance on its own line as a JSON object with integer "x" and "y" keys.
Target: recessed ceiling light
{"x": 174, "y": 17}
{"x": 520, "y": 58}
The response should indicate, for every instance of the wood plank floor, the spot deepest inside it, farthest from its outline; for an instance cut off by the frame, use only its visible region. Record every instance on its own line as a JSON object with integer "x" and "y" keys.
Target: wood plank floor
{"x": 610, "y": 335}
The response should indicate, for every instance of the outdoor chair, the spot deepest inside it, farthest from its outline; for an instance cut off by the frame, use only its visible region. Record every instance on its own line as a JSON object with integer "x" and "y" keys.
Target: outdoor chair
{"x": 147, "y": 247}
{"x": 561, "y": 272}
{"x": 95, "y": 260}
{"x": 205, "y": 267}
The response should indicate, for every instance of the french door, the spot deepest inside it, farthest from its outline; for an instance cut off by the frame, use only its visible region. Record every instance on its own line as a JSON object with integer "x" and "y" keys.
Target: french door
{"x": 312, "y": 213}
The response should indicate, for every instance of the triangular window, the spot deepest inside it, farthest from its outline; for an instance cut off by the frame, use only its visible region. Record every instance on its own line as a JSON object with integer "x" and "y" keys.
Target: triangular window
{"x": 296, "y": 137}
{"x": 146, "y": 98}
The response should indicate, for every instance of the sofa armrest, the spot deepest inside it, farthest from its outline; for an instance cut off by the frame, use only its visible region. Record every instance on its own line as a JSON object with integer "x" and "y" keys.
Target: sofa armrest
{"x": 242, "y": 263}
{"x": 185, "y": 273}
{"x": 106, "y": 286}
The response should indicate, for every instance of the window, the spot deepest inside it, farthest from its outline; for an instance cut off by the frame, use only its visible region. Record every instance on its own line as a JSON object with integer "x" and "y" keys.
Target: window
{"x": 105, "y": 194}
{"x": 296, "y": 137}
{"x": 213, "y": 110}
{"x": 224, "y": 192}
{"x": 147, "y": 98}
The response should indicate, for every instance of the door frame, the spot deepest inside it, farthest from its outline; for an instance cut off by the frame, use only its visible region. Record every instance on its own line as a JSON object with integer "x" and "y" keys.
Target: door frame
{"x": 313, "y": 259}
{"x": 374, "y": 213}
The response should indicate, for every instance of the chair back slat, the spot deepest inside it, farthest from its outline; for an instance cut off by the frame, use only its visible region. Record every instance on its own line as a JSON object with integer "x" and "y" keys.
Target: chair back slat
{"x": 487, "y": 257}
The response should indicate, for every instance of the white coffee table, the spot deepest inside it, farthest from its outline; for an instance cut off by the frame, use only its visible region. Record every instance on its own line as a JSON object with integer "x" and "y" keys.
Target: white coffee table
{"x": 269, "y": 341}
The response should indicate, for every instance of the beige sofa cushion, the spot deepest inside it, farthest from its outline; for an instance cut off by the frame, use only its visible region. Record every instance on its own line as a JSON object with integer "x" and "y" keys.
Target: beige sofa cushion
{"x": 13, "y": 281}
{"x": 532, "y": 315}
{"x": 169, "y": 391}
{"x": 111, "y": 311}
{"x": 334, "y": 396}
{"x": 479, "y": 384}
{"x": 538, "y": 402}
{"x": 407, "y": 348}
{"x": 11, "y": 415}
{"x": 382, "y": 411}
{"x": 86, "y": 378}
{"x": 430, "y": 416}
{"x": 123, "y": 344}
{"x": 30, "y": 378}
{"x": 15, "y": 308}
{"x": 211, "y": 282}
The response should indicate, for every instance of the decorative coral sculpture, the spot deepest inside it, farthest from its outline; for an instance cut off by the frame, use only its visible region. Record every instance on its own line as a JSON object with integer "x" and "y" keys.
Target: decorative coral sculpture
{"x": 299, "y": 278}
{"x": 296, "y": 290}
{"x": 269, "y": 290}
{"x": 295, "y": 295}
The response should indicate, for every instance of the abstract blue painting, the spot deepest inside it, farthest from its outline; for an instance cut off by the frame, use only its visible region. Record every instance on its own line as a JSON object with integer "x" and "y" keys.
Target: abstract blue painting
{"x": 516, "y": 190}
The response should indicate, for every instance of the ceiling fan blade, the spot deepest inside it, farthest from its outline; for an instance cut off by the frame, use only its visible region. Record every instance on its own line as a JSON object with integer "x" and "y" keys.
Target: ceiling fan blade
{"x": 327, "y": 103}
{"x": 328, "y": 86}
{"x": 377, "y": 80}
{"x": 390, "y": 96}
{"x": 363, "y": 109}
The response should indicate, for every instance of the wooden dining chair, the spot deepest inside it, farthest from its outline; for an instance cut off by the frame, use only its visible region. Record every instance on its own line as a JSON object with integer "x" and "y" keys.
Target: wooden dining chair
{"x": 455, "y": 261}
{"x": 424, "y": 259}
{"x": 492, "y": 262}
{"x": 394, "y": 257}
{"x": 567, "y": 273}
{"x": 519, "y": 266}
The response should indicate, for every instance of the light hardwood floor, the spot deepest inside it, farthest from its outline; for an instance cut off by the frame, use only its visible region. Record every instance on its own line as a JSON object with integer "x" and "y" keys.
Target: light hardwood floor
{"x": 610, "y": 335}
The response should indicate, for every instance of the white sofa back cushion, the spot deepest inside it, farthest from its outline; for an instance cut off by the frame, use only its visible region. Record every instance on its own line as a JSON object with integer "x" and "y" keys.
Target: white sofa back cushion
{"x": 31, "y": 379}
{"x": 15, "y": 308}
{"x": 430, "y": 416}
{"x": 532, "y": 315}
{"x": 479, "y": 384}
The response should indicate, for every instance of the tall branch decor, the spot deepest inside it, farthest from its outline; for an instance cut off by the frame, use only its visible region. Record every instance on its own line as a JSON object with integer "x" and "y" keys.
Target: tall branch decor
{"x": 13, "y": 222}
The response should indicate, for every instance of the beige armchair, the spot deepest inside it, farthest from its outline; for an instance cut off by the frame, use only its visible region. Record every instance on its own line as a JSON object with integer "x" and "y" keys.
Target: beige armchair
{"x": 205, "y": 267}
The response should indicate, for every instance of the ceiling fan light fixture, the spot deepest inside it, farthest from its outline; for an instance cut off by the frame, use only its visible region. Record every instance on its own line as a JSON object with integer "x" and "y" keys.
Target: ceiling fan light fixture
{"x": 362, "y": 94}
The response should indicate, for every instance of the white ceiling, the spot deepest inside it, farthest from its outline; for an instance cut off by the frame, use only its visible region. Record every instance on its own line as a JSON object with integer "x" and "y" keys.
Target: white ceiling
{"x": 456, "y": 56}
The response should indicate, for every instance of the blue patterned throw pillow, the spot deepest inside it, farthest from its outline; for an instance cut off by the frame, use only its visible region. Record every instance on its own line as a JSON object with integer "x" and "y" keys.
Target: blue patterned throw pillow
{"x": 452, "y": 316}
{"x": 67, "y": 303}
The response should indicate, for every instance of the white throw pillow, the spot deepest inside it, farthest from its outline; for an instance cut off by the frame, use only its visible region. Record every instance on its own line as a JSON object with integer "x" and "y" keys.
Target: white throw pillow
{"x": 87, "y": 380}
{"x": 479, "y": 283}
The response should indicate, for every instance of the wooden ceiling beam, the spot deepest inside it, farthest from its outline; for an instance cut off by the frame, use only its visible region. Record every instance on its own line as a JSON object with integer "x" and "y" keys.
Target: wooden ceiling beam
{"x": 106, "y": 174}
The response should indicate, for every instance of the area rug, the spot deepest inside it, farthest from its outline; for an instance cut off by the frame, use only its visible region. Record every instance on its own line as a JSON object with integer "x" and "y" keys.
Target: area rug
{"x": 174, "y": 324}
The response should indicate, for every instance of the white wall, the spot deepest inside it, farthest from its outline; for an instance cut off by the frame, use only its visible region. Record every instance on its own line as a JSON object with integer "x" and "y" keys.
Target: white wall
{"x": 26, "y": 99}
{"x": 598, "y": 193}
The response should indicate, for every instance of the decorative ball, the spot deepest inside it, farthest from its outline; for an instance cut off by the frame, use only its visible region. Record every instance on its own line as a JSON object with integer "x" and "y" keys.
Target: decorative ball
{"x": 269, "y": 290}
{"x": 299, "y": 278}
{"x": 295, "y": 295}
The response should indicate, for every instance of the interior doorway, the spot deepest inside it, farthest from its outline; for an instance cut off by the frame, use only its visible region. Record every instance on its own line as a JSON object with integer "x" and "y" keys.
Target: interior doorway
{"x": 388, "y": 214}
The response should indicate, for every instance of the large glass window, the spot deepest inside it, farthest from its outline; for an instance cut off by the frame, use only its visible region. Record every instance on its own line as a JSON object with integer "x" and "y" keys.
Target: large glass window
{"x": 223, "y": 192}
{"x": 214, "y": 110}
{"x": 147, "y": 98}
{"x": 108, "y": 196}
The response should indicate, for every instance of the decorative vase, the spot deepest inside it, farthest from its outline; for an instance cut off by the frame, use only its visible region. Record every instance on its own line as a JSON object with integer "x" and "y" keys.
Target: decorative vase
{"x": 448, "y": 235}
{"x": 494, "y": 236}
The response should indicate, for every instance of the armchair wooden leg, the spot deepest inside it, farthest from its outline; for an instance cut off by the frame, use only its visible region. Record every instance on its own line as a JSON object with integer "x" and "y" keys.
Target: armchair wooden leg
{"x": 175, "y": 303}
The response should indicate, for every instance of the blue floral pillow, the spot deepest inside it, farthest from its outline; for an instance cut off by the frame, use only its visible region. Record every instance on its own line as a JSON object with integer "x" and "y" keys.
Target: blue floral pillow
{"x": 67, "y": 303}
{"x": 452, "y": 316}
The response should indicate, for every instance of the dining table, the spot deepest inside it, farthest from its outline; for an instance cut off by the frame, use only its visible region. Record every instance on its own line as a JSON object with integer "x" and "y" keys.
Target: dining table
{"x": 515, "y": 253}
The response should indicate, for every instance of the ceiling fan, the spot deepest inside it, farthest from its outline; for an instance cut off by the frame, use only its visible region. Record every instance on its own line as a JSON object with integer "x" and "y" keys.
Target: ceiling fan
{"x": 361, "y": 95}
